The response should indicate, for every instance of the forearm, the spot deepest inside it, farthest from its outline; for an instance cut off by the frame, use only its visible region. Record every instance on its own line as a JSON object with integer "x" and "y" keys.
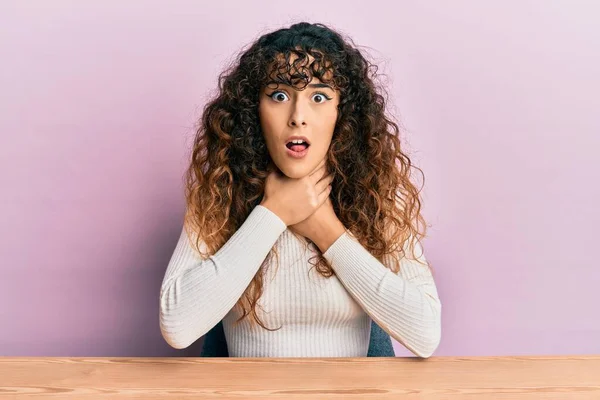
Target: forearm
{"x": 196, "y": 294}
{"x": 406, "y": 305}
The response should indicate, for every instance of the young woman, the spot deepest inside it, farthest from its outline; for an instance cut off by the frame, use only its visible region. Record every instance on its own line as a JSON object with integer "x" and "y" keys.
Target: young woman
{"x": 296, "y": 158}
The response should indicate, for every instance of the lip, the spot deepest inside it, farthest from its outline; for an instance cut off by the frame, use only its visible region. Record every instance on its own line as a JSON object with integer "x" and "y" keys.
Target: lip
{"x": 297, "y": 154}
{"x": 296, "y": 137}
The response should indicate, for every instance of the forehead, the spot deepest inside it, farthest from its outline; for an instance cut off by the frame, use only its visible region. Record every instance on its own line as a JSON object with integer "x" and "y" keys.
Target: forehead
{"x": 299, "y": 69}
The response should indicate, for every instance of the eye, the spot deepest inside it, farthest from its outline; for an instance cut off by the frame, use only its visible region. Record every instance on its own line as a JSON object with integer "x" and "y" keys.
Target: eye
{"x": 322, "y": 96}
{"x": 278, "y": 97}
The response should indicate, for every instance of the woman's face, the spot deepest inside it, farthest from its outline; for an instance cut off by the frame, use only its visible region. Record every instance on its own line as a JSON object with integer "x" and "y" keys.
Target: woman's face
{"x": 285, "y": 112}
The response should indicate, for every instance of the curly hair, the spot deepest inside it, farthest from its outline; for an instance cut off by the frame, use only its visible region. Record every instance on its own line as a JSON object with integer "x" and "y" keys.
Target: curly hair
{"x": 372, "y": 194}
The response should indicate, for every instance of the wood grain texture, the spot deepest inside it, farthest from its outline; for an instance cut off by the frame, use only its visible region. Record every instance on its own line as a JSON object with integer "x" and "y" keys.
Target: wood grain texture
{"x": 543, "y": 377}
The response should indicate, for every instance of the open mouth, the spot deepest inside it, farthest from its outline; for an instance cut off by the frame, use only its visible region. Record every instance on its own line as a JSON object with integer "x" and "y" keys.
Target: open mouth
{"x": 297, "y": 148}
{"x": 297, "y": 145}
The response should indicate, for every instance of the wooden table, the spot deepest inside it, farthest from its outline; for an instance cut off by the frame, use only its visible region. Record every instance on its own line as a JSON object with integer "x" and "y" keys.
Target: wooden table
{"x": 515, "y": 378}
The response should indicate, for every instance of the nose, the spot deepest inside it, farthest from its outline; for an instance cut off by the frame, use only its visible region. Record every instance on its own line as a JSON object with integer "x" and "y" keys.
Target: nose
{"x": 294, "y": 123}
{"x": 298, "y": 117}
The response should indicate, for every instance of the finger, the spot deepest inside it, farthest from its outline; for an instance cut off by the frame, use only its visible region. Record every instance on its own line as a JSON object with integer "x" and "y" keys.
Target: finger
{"x": 324, "y": 195}
{"x": 323, "y": 183}
{"x": 322, "y": 177}
{"x": 325, "y": 173}
{"x": 318, "y": 168}
{"x": 319, "y": 174}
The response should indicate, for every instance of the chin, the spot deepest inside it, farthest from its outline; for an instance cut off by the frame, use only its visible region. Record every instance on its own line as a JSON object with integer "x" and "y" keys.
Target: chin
{"x": 300, "y": 170}
{"x": 294, "y": 173}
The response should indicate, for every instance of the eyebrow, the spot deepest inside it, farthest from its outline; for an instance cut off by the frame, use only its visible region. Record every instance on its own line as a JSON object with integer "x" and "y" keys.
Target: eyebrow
{"x": 311, "y": 85}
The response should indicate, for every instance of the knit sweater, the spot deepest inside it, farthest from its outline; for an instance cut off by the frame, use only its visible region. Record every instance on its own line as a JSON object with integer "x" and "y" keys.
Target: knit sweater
{"x": 316, "y": 316}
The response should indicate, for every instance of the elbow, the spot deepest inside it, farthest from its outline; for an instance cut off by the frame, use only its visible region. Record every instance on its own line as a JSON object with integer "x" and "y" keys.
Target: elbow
{"x": 428, "y": 345}
{"x": 176, "y": 342}
{"x": 424, "y": 347}
{"x": 175, "y": 339}
{"x": 180, "y": 326}
{"x": 170, "y": 328}
{"x": 428, "y": 348}
{"x": 428, "y": 341}
{"x": 432, "y": 336}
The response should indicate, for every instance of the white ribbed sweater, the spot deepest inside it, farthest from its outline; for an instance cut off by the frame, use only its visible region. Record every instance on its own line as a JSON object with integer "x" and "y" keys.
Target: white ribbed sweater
{"x": 319, "y": 317}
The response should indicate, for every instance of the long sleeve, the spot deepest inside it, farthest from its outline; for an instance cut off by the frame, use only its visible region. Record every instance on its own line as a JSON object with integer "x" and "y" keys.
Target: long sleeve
{"x": 406, "y": 305}
{"x": 196, "y": 294}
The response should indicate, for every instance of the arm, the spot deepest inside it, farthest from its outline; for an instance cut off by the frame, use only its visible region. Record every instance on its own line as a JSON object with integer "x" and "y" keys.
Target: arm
{"x": 406, "y": 305}
{"x": 196, "y": 294}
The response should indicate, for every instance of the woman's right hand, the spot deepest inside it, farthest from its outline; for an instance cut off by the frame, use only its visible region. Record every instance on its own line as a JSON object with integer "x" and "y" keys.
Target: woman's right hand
{"x": 294, "y": 200}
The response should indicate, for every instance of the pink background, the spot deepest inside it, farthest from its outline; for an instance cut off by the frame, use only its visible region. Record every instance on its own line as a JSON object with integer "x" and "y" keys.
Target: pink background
{"x": 499, "y": 100}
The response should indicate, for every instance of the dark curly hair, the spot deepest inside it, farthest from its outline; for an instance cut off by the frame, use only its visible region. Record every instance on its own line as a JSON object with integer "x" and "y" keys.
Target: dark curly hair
{"x": 372, "y": 194}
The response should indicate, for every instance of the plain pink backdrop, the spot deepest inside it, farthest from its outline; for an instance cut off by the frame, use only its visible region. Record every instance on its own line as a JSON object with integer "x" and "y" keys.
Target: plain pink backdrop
{"x": 500, "y": 106}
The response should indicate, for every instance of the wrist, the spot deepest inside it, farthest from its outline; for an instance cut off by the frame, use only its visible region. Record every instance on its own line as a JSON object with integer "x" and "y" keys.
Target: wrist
{"x": 273, "y": 209}
{"x": 328, "y": 235}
